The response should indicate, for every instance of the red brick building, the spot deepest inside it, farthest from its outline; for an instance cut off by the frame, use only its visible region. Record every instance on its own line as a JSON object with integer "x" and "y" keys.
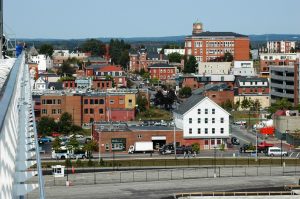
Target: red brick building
{"x": 162, "y": 72}
{"x": 142, "y": 59}
{"x": 118, "y": 137}
{"x": 208, "y": 46}
{"x": 115, "y": 72}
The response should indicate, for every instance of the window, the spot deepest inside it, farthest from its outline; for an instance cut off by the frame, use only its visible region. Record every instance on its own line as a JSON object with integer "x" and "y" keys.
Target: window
{"x": 121, "y": 101}
{"x": 190, "y": 120}
{"x": 213, "y": 120}
{"x": 222, "y": 130}
{"x": 86, "y": 111}
{"x": 199, "y": 111}
{"x": 111, "y": 101}
{"x": 100, "y": 110}
{"x": 49, "y": 101}
{"x": 58, "y": 101}
{"x": 218, "y": 141}
{"x": 58, "y": 111}
{"x": 222, "y": 119}
{"x": 101, "y": 101}
{"x": 54, "y": 101}
{"x": 213, "y": 111}
{"x": 130, "y": 101}
{"x": 91, "y": 101}
{"x": 212, "y": 142}
{"x": 199, "y": 120}
{"x": 190, "y": 131}
{"x": 206, "y": 120}
{"x": 44, "y": 111}
{"x": 53, "y": 111}
{"x": 91, "y": 111}
{"x": 86, "y": 101}
{"x": 213, "y": 130}
{"x": 206, "y": 111}
{"x": 206, "y": 130}
{"x": 199, "y": 131}
{"x": 96, "y": 101}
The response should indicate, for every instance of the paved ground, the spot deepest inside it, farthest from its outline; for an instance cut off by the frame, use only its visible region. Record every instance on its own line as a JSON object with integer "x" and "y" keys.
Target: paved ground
{"x": 161, "y": 189}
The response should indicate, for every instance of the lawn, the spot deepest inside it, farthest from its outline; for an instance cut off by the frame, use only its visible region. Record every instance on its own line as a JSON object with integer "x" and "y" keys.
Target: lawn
{"x": 154, "y": 114}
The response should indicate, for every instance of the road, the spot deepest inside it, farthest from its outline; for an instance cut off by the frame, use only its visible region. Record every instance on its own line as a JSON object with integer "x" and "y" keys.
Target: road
{"x": 162, "y": 189}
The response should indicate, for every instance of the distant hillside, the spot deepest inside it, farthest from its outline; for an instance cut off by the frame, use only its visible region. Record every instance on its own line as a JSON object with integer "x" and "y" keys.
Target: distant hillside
{"x": 275, "y": 37}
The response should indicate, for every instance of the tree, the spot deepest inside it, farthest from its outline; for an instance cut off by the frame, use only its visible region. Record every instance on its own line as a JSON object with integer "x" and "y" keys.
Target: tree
{"x": 119, "y": 52}
{"x": 237, "y": 105}
{"x": 227, "y": 105}
{"x": 65, "y": 123}
{"x": 46, "y": 49}
{"x": 175, "y": 57}
{"x": 159, "y": 98}
{"x": 245, "y": 104}
{"x": 281, "y": 104}
{"x": 169, "y": 99}
{"x": 56, "y": 144}
{"x": 196, "y": 147}
{"x": 190, "y": 65}
{"x": 185, "y": 92}
{"x": 94, "y": 46}
{"x": 66, "y": 69}
{"x": 73, "y": 144}
{"x": 256, "y": 105}
{"x": 90, "y": 147}
{"x": 142, "y": 102}
{"x": 228, "y": 57}
{"x": 46, "y": 125}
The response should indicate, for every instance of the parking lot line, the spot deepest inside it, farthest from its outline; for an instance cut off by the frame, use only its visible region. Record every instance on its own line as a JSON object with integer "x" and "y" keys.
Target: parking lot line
{"x": 297, "y": 155}
{"x": 291, "y": 154}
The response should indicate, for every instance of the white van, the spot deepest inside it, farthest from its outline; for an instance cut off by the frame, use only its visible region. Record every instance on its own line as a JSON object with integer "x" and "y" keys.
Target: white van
{"x": 276, "y": 151}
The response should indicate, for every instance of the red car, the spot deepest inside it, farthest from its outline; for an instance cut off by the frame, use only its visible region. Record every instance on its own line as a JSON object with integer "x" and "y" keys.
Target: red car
{"x": 263, "y": 146}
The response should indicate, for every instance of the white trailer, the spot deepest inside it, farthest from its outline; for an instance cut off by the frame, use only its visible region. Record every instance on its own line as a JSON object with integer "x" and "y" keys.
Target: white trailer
{"x": 141, "y": 147}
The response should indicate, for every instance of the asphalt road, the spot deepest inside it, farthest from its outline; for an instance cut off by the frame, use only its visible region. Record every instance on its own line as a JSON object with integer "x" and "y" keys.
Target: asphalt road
{"x": 162, "y": 189}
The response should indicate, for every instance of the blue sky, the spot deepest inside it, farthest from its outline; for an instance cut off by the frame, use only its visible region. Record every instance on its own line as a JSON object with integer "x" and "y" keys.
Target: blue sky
{"x": 67, "y": 19}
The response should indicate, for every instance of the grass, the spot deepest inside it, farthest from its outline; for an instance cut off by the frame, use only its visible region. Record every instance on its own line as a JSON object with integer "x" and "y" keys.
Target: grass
{"x": 154, "y": 114}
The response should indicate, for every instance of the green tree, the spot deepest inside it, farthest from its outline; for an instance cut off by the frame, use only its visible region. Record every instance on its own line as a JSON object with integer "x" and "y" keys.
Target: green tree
{"x": 159, "y": 98}
{"x": 237, "y": 105}
{"x": 227, "y": 105}
{"x": 73, "y": 144}
{"x": 66, "y": 69}
{"x": 46, "y": 125}
{"x": 142, "y": 103}
{"x": 94, "y": 46}
{"x": 190, "y": 65}
{"x": 56, "y": 144}
{"x": 256, "y": 105}
{"x": 65, "y": 123}
{"x": 46, "y": 49}
{"x": 228, "y": 57}
{"x": 90, "y": 147}
{"x": 175, "y": 57}
{"x": 245, "y": 104}
{"x": 281, "y": 104}
{"x": 196, "y": 147}
{"x": 170, "y": 99}
{"x": 119, "y": 52}
{"x": 185, "y": 92}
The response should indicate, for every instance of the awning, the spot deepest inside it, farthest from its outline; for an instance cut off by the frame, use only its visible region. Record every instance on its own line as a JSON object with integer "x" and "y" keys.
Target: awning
{"x": 159, "y": 138}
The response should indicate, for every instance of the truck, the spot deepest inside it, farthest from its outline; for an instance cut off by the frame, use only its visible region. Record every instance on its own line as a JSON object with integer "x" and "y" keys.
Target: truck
{"x": 263, "y": 147}
{"x": 141, "y": 147}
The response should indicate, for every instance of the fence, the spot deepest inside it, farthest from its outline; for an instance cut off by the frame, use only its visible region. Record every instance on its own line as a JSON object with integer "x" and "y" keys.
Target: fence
{"x": 169, "y": 174}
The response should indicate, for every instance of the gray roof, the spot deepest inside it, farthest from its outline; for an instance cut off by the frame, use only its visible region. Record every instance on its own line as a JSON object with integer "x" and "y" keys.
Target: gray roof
{"x": 56, "y": 85}
{"x": 158, "y": 65}
{"x": 219, "y": 34}
{"x": 189, "y": 103}
{"x": 211, "y": 87}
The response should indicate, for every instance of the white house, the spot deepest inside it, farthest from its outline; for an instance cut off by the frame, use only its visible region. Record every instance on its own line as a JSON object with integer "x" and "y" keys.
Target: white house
{"x": 44, "y": 62}
{"x": 201, "y": 118}
{"x": 41, "y": 84}
{"x": 243, "y": 68}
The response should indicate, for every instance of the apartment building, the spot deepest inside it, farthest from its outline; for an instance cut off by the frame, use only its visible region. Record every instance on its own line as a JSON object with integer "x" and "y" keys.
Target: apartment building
{"x": 243, "y": 68}
{"x": 281, "y": 46}
{"x": 280, "y": 59}
{"x": 216, "y": 68}
{"x": 252, "y": 88}
{"x": 202, "y": 119}
{"x": 162, "y": 72}
{"x": 208, "y": 46}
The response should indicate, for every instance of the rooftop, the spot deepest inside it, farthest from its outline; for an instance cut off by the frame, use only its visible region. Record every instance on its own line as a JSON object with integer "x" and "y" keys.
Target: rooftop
{"x": 218, "y": 34}
{"x": 189, "y": 103}
{"x": 5, "y": 67}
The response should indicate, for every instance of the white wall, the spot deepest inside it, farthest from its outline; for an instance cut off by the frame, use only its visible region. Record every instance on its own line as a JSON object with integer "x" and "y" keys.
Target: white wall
{"x": 214, "y": 67}
{"x": 169, "y": 51}
{"x": 193, "y": 113}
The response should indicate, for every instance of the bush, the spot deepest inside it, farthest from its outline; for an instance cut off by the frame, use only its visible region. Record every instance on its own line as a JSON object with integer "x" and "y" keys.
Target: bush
{"x": 90, "y": 163}
{"x": 101, "y": 162}
{"x": 196, "y": 147}
{"x": 68, "y": 162}
{"x": 78, "y": 163}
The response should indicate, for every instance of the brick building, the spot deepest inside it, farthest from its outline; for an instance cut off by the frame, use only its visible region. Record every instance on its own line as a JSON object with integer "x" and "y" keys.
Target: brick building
{"x": 208, "y": 46}
{"x": 115, "y": 72}
{"x": 89, "y": 107}
{"x": 141, "y": 59}
{"x": 162, "y": 72}
{"x": 277, "y": 59}
{"x": 253, "y": 88}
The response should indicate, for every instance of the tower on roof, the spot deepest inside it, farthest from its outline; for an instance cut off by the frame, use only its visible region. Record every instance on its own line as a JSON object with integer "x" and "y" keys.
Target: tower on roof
{"x": 197, "y": 27}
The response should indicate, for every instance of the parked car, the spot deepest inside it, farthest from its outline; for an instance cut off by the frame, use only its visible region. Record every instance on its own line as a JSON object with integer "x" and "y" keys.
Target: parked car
{"x": 235, "y": 141}
{"x": 276, "y": 151}
{"x": 247, "y": 148}
{"x": 240, "y": 122}
{"x": 44, "y": 139}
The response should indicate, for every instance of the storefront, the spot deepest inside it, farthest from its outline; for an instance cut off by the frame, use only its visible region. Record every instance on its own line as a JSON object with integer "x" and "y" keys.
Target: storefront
{"x": 118, "y": 144}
